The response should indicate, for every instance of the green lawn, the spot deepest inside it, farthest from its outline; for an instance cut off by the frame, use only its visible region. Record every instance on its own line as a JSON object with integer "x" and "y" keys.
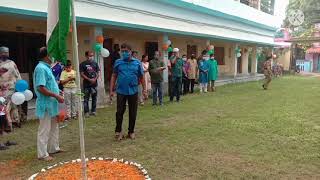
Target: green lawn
{"x": 239, "y": 132}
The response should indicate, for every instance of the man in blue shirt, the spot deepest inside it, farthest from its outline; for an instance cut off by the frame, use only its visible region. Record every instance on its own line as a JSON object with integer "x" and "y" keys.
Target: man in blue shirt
{"x": 127, "y": 73}
{"x": 47, "y": 104}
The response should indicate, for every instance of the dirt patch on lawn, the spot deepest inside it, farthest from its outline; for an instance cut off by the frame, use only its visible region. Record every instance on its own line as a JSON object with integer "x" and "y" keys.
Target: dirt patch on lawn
{"x": 9, "y": 169}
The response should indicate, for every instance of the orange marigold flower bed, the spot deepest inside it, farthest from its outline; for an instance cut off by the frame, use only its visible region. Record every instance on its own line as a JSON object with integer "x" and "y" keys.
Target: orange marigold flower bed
{"x": 96, "y": 170}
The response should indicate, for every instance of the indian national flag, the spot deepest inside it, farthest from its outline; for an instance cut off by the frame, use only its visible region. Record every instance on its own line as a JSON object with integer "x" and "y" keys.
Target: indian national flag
{"x": 58, "y": 24}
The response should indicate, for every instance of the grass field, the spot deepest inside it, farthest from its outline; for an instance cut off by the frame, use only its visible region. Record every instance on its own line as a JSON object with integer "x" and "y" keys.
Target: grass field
{"x": 239, "y": 132}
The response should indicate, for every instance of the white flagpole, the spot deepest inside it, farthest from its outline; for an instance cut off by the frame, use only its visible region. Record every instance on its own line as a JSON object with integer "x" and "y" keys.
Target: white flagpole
{"x": 76, "y": 64}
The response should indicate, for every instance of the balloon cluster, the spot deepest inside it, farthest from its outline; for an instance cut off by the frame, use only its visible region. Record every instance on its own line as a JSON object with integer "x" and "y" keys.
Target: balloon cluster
{"x": 238, "y": 52}
{"x": 99, "y": 48}
{"x": 168, "y": 46}
{"x": 210, "y": 49}
{"x": 23, "y": 93}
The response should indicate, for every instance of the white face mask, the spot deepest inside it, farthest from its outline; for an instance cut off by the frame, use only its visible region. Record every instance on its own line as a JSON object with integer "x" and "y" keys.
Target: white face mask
{"x": 184, "y": 59}
{"x": 206, "y": 58}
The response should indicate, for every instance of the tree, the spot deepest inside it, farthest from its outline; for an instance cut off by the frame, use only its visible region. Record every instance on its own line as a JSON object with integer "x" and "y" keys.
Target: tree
{"x": 311, "y": 10}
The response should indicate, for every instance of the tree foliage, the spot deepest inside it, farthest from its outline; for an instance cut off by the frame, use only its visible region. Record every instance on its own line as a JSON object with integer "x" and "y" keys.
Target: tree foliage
{"x": 311, "y": 10}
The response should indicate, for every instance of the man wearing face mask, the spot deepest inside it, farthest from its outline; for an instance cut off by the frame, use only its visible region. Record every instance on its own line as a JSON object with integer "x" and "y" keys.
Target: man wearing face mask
{"x": 127, "y": 72}
{"x": 9, "y": 74}
{"x": 156, "y": 69}
{"x": 89, "y": 70}
{"x": 176, "y": 74}
{"x": 47, "y": 107}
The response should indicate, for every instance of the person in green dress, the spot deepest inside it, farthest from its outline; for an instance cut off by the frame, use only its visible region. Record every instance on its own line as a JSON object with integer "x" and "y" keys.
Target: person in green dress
{"x": 212, "y": 73}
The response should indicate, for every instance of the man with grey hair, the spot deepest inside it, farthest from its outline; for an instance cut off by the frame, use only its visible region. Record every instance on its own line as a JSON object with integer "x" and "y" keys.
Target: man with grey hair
{"x": 9, "y": 74}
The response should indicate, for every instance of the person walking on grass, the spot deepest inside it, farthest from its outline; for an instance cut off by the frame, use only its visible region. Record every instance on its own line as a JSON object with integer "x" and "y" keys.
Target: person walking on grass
{"x": 267, "y": 73}
{"x": 176, "y": 75}
{"x": 47, "y": 104}
{"x": 212, "y": 73}
{"x": 67, "y": 79}
{"x": 89, "y": 70}
{"x": 156, "y": 69}
{"x": 127, "y": 72}
{"x": 192, "y": 72}
{"x": 203, "y": 73}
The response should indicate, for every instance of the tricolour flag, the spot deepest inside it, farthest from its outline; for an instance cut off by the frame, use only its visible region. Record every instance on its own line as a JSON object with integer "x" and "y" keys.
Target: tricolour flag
{"x": 58, "y": 24}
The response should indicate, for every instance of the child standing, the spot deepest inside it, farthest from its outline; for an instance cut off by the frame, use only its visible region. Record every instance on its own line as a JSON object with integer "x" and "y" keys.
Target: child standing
{"x": 212, "y": 73}
{"x": 67, "y": 79}
{"x": 203, "y": 73}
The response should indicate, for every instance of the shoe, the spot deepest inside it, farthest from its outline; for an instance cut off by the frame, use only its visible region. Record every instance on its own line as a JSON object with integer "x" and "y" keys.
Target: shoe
{"x": 142, "y": 103}
{"x": 3, "y": 147}
{"x": 86, "y": 115}
{"x": 10, "y": 143}
{"x": 93, "y": 114}
{"x": 131, "y": 136}
{"x": 119, "y": 136}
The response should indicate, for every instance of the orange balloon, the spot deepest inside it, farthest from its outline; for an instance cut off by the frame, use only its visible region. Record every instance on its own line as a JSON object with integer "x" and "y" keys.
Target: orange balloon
{"x": 165, "y": 47}
{"x": 62, "y": 115}
{"x": 99, "y": 39}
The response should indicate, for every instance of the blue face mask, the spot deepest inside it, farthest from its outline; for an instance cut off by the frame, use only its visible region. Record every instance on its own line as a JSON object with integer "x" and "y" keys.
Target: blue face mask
{"x": 125, "y": 55}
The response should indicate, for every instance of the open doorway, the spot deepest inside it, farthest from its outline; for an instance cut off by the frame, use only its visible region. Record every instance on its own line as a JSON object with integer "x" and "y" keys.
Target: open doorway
{"x": 151, "y": 47}
{"x": 192, "y": 49}
{"x": 108, "y": 44}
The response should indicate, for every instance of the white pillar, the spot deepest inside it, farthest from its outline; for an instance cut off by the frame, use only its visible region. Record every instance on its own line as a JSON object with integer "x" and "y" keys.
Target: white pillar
{"x": 94, "y": 32}
{"x": 254, "y": 61}
{"x": 162, "y": 39}
{"x": 245, "y": 60}
{"x": 234, "y": 60}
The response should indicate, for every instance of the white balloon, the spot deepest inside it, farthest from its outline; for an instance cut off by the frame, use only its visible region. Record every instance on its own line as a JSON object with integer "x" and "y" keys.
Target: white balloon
{"x": 2, "y": 100}
{"x": 28, "y": 94}
{"x": 168, "y": 42}
{"x": 105, "y": 52}
{"x": 238, "y": 54}
{"x": 18, "y": 98}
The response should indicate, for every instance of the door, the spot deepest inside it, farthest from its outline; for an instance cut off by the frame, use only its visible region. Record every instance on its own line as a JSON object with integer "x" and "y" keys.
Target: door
{"x": 318, "y": 64}
{"x": 150, "y": 48}
{"x": 192, "y": 49}
{"x": 239, "y": 65}
{"x": 24, "y": 49}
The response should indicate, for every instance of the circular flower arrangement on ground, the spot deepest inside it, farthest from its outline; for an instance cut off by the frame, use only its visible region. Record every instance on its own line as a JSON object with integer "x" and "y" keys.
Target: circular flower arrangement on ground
{"x": 97, "y": 168}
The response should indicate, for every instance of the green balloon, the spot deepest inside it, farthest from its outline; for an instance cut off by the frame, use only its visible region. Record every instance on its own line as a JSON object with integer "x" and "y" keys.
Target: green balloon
{"x": 211, "y": 52}
{"x": 97, "y": 47}
{"x": 170, "y": 49}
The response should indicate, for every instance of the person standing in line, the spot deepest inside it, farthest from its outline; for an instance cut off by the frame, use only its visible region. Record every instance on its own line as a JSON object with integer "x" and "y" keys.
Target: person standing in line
{"x": 89, "y": 70}
{"x": 176, "y": 75}
{"x": 267, "y": 73}
{"x": 57, "y": 68}
{"x": 135, "y": 54}
{"x": 212, "y": 73}
{"x": 186, "y": 82}
{"x": 9, "y": 75}
{"x": 146, "y": 77}
{"x": 192, "y": 71}
{"x": 156, "y": 69}
{"x": 128, "y": 72}
{"x": 47, "y": 107}
{"x": 67, "y": 79}
{"x": 203, "y": 73}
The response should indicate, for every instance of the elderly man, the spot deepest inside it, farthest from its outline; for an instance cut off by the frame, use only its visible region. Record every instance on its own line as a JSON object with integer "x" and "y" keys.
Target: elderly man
{"x": 47, "y": 91}
{"x": 9, "y": 74}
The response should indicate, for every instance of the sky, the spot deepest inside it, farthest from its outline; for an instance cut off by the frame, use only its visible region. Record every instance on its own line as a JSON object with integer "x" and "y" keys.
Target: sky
{"x": 280, "y": 10}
